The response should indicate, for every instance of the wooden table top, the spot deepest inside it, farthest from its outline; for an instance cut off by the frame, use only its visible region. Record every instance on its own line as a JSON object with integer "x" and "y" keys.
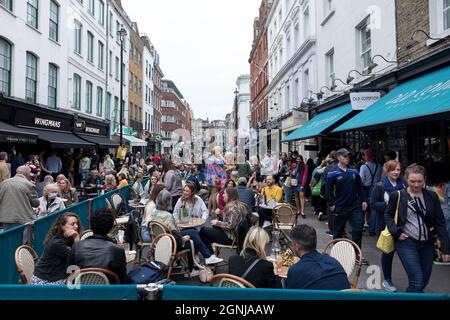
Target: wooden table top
{"x": 196, "y": 222}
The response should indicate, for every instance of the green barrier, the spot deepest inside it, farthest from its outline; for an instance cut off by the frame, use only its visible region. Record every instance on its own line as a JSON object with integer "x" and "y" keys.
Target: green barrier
{"x": 9, "y": 241}
{"x": 171, "y": 292}
{"x": 55, "y": 292}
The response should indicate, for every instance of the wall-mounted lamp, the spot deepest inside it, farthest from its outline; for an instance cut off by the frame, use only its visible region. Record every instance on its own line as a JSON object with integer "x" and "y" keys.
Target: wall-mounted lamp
{"x": 334, "y": 86}
{"x": 373, "y": 65}
{"x": 412, "y": 41}
{"x": 350, "y": 78}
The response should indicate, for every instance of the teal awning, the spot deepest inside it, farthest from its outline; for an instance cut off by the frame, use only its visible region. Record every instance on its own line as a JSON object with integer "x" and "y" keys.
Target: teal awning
{"x": 133, "y": 141}
{"x": 423, "y": 96}
{"x": 319, "y": 123}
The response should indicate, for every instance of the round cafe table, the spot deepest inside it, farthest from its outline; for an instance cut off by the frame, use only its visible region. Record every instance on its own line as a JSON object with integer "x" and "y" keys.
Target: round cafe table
{"x": 193, "y": 223}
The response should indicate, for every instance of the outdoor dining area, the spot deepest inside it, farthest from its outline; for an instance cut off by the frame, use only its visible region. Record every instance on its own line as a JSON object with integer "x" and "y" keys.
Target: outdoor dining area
{"x": 17, "y": 261}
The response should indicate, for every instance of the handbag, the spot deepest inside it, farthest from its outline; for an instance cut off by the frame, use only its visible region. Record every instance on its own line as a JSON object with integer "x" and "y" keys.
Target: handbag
{"x": 288, "y": 182}
{"x": 386, "y": 241}
{"x": 294, "y": 182}
{"x": 146, "y": 274}
{"x": 205, "y": 274}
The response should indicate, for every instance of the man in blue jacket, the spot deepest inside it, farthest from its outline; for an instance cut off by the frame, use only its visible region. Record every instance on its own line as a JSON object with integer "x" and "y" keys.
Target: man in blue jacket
{"x": 314, "y": 271}
{"x": 345, "y": 197}
{"x": 246, "y": 195}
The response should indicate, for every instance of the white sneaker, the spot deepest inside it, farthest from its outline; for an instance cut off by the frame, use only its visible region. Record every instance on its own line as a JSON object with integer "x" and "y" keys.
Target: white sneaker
{"x": 267, "y": 224}
{"x": 194, "y": 273}
{"x": 389, "y": 286}
{"x": 213, "y": 260}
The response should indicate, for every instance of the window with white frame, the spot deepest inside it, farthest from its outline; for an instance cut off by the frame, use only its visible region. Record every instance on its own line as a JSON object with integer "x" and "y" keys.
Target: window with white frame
{"x": 31, "y": 78}
{"x": 101, "y": 58}
{"x": 117, "y": 68}
{"x": 288, "y": 99}
{"x": 111, "y": 17}
{"x": 5, "y": 67}
{"x": 76, "y": 91}
{"x": 54, "y": 21}
{"x": 295, "y": 92}
{"x": 108, "y": 106}
{"x": 33, "y": 13}
{"x": 296, "y": 36}
{"x": 446, "y": 13}
{"x": 101, "y": 13}
{"x": 8, "y": 4}
{"x": 305, "y": 88}
{"x": 88, "y": 97}
{"x": 91, "y": 7}
{"x": 52, "y": 85}
{"x": 110, "y": 62}
{"x": 90, "y": 53}
{"x": 329, "y": 63}
{"x": 306, "y": 23}
{"x": 99, "y": 101}
{"x": 365, "y": 44}
{"x": 78, "y": 37}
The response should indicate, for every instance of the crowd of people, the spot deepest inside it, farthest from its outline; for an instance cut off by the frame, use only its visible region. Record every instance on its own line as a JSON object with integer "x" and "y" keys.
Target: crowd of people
{"x": 355, "y": 196}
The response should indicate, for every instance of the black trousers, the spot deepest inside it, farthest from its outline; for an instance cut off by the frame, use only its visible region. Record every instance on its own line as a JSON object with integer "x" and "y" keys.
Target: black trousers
{"x": 214, "y": 235}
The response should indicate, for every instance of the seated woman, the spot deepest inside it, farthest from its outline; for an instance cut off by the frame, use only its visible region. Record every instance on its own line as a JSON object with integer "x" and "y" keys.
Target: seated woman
{"x": 221, "y": 202}
{"x": 51, "y": 267}
{"x": 252, "y": 264}
{"x": 50, "y": 202}
{"x": 110, "y": 183}
{"x": 193, "y": 203}
{"x": 162, "y": 215}
{"x": 197, "y": 209}
{"x": 150, "y": 185}
{"x": 149, "y": 212}
{"x": 67, "y": 192}
{"x": 224, "y": 232}
{"x": 122, "y": 180}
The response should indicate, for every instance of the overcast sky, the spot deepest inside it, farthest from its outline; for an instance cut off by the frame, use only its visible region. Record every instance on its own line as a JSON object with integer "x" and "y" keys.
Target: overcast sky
{"x": 204, "y": 45}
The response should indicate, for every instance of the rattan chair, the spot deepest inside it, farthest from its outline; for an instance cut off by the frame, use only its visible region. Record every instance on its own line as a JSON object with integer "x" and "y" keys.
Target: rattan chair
{"x": 25, "y": 258}
{"x": 349, "y": 256}
{"x": 157, "y": 228}
{"x": 86, "y": 234}
{"x": 94, "y": 276}
{"x": 164, "y": 249}
{"x": 117, "y": 201}
{"x": 217, "y": 247}
{"x": 224, "y": 280}
{"x": 284, "y": 217}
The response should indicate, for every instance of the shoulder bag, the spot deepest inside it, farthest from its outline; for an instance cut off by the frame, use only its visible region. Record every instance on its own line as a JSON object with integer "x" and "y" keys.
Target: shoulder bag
{"x": 386, "y": 241}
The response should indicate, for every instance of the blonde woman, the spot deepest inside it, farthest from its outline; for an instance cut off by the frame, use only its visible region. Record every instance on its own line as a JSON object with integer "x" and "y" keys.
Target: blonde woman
{"x": 67, "y": 192}
{"x": 108, "y": 164}
{"x": 60, "y": 177}
{"x": 252, "y": 264}
{"x": 50, "y": 202}
{"x": 110, "y": 183}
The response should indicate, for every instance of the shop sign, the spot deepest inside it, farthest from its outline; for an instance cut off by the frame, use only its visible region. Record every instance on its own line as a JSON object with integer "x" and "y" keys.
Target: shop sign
{"x": 41, "y": 121}
{"x": 79, "y": 125}
{"x": 363, "y": 100}
{"x": 18, "y": 139}
{"x": 92, "y": 130}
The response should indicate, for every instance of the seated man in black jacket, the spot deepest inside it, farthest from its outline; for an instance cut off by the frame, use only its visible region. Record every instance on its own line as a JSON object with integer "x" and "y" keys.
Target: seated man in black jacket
{"x": 99, "y": 251}
{"x": 314, "y": 271}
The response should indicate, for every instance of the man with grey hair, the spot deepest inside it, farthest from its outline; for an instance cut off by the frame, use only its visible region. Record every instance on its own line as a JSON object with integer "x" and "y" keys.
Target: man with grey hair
{"x": 314, "y": 271}
{"x": 18, "y": 198}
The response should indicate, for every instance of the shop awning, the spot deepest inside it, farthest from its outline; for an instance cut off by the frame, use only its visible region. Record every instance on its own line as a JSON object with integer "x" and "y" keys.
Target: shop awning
{"x": 135, "y": 142}
{"x": 12, "y": 134}
{"x": 100, "y": 141}
{"x": 61, "y": 139}
{"x": 319, "y": 123}
{"x": 424, "y": 96}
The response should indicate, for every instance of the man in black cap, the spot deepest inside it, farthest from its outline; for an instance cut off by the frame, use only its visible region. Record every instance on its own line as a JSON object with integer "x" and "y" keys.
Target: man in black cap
{"x": 344, "y": 196}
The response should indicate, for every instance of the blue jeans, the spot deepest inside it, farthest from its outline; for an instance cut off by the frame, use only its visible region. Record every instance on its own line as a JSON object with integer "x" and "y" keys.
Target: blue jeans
{"x": 145, "y": 234}
{"x": 198, "y": 243}
{"x": 417, "y": 259}
{"x": 287, "y": 194}
{"x": 386, "y": 264}
{"x": 354, "y": 215}
{"x": 84, "y": 176}
{"x": 373, "y": 221}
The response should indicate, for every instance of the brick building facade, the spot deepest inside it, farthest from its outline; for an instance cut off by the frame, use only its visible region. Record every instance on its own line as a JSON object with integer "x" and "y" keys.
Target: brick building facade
{"x": 174, "y": 113}
{"x": 259, "y": 67}
{"x": 429, "y": 16}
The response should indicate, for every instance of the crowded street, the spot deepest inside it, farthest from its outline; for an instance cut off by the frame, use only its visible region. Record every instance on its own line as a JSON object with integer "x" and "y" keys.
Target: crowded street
{"x": 310, "y": 162}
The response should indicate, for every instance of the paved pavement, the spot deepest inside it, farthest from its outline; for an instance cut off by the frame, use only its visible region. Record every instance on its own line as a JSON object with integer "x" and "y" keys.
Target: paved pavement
{"x": 439, "y": 282}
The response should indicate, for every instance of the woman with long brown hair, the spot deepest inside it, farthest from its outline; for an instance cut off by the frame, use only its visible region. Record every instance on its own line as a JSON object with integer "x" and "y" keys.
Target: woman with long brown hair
{"x": 150, "y": 209}
{"x": 52, "y": 265}
{"x": 224, "y": 232}
{"x": 67, "y": 193}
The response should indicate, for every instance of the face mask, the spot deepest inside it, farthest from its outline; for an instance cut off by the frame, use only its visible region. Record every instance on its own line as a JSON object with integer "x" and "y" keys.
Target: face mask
{"x": 53, "y": 196}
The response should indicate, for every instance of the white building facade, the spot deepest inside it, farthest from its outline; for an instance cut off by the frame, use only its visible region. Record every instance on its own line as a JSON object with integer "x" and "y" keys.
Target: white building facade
{"x": 33, "y": 52}
{"x": 148, "y": 61}
{"x": 243, "y": 104}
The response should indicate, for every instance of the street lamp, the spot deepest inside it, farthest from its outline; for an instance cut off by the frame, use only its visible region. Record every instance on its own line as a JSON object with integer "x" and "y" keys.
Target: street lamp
{"x": 122, "y": 33}
{"x": 350, "y": 78}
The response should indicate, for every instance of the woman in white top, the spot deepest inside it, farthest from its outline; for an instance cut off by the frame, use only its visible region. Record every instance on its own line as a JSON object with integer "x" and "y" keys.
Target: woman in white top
{"x": 194, "y": 204}
{"x": 108, "y": 164}
{"x": 50, "y": 202}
